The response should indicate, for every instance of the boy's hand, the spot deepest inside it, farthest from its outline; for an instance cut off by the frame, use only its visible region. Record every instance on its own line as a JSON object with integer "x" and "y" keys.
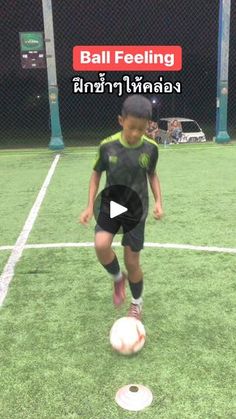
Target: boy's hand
{"x": 86, "y": 216}
{"x": 158, "y": 211}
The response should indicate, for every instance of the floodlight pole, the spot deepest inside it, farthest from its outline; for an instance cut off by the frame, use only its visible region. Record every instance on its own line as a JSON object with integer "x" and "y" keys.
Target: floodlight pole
{"x": 56, "y": 142}
{"x": 222, "y": 135}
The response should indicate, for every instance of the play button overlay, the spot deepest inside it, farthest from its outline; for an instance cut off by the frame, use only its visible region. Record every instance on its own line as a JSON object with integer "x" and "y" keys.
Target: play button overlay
{"x": 117, "y": 209}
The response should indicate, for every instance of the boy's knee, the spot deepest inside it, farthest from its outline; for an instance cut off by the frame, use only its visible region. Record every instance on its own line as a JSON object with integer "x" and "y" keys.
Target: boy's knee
{"x": 102, "y": 247}
{"x": 103, "y": 242}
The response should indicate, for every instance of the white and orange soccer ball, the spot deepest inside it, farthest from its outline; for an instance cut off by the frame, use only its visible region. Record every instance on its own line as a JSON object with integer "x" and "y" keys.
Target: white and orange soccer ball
{"x": 127, "y": 335}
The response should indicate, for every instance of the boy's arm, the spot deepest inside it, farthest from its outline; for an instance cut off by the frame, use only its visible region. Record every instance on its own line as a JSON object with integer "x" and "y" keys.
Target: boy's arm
{"x": 93, "y": 187}
{"x": 156, "y": 190}
{"x": 87, "y": 214}
{"x": 98, "y": 168}
{"x": 155, "y": 187}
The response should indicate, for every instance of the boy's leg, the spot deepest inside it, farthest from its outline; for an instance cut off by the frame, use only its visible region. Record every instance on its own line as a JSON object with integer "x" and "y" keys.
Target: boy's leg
{"x": 107, "y": 257}
{"x": 135, "y": 277}
{"x": 133, "y": 243}
{"x": 103, "y": 242}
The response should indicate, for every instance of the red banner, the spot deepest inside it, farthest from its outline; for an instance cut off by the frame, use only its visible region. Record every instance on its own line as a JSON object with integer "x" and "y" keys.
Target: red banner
{"x": 127, "y": 58}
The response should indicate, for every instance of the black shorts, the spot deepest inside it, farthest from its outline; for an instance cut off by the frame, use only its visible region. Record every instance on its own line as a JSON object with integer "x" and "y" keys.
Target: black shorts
{"x": 133, "y": 238}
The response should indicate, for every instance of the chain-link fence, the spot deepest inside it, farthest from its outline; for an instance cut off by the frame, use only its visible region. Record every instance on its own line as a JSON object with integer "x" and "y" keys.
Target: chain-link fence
{"x": 87, "y": 118}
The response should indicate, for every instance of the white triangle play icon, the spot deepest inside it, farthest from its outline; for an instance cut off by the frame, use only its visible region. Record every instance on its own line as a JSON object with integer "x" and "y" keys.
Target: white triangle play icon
{"x": 116, "y": 209}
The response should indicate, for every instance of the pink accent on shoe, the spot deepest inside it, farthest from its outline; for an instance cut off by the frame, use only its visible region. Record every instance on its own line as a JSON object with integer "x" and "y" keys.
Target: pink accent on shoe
{"x": 119, "y": 293}
{"x": 135, "y": 311}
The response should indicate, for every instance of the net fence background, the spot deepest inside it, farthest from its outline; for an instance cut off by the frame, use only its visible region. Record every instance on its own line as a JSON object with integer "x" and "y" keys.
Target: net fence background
{"x": 86, "y": 118}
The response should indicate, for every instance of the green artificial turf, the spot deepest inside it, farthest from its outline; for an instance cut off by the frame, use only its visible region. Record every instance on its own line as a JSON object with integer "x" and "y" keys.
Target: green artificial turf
{"x": 199, "y": 198}
{"x": 55, "y": 356}
{"x": 21, "y": 178}
{"x": 4, "y": 255}
{"x": 56, "y": 360}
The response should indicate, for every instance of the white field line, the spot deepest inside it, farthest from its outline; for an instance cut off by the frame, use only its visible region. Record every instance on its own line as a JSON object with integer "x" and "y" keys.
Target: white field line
{"x": 93, "y": 151}
{"x": 165, "y": 149}
{"x": 17, "y": 250}
{"x": 117, "y": 244}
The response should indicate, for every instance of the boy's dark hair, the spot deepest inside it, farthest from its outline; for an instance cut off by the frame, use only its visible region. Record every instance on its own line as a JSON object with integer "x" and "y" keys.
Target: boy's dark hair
{"x": 138, "y": 106}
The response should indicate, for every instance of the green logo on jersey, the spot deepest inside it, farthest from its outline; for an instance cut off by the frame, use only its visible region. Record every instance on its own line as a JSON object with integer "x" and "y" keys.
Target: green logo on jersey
{"x": 144, "y": 160}
{"x": 113, "y": 159}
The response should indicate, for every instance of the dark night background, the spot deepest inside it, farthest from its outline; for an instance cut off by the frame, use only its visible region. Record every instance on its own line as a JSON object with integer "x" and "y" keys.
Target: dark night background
{"x": 193, "y": 25}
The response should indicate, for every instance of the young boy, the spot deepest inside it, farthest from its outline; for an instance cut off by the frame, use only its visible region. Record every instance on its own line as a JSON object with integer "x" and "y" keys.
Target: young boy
{"x": 134, "y": 158}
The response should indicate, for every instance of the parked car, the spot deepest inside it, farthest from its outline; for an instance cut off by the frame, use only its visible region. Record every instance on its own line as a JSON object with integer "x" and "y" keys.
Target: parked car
{"x": 191, "y": 131}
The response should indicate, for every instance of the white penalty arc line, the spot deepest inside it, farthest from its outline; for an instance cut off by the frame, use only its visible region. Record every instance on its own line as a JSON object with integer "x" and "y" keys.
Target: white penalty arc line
{"x": 19, "y": 246}
{"x": 174, "y": 246}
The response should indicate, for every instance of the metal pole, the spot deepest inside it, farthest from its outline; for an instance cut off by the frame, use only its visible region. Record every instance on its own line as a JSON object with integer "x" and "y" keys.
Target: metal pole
{"x": 56, "y": 142}
{"x": 222, "y": 135}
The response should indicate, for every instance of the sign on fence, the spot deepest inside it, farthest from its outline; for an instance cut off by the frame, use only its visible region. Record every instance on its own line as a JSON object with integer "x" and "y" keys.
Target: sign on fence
{"x": 32, "y": 50}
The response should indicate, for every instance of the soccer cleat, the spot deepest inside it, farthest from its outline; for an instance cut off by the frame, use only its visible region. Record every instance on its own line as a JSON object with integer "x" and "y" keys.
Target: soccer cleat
{"x": 119, "y": 291}
{"x": 135, "y": 310}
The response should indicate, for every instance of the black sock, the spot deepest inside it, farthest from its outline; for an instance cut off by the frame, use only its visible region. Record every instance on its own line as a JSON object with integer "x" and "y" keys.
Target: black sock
{"x": 113, "y": 268}
{"x": 136, "y": 289}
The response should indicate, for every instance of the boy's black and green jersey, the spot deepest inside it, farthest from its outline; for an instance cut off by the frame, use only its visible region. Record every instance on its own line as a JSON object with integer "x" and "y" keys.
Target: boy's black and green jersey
{"x": 128, "y": 165}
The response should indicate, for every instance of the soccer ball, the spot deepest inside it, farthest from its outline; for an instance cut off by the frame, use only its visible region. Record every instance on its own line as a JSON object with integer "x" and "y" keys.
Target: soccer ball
{"x": 127, "y": 335}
